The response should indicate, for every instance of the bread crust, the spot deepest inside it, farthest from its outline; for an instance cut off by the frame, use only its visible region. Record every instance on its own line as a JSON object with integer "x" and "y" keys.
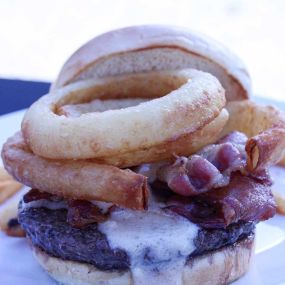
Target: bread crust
{"x": 155, "y": 47}
{"x": 221, "y": 266}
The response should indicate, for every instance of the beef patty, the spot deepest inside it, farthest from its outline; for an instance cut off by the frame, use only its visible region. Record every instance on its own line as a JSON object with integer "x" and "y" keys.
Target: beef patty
{"x": 49, "y": 230}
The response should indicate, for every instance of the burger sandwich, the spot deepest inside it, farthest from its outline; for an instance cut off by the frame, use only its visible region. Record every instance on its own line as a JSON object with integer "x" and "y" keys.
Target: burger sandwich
{"x": 147, "y": 163}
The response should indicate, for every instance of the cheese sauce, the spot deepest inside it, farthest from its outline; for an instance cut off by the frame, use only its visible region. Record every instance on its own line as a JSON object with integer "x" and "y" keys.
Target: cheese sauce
{"x": 52, "y": 205}
{"x": 157, "y": 243}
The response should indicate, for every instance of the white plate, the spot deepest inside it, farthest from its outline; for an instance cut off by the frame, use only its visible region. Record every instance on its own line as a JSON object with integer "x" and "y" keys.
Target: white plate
{"x": 17, "y": 265}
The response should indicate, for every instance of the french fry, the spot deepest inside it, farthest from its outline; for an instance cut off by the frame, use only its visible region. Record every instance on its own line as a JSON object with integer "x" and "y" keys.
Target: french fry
{"x": 8, "y": 212}
{"x": 8, "y": 219}
{"x": 3, "y": 174}
{"x": 8, "y": 186}
{"x": 282, "y": 161}
{"x": 280, "y": 201}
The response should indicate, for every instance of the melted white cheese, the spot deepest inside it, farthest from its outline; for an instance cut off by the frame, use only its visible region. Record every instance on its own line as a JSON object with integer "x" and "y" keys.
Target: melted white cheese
{"x": 156, "y": 242}
{"x": 103, "y": 206}
{"x": 52, "y": 205}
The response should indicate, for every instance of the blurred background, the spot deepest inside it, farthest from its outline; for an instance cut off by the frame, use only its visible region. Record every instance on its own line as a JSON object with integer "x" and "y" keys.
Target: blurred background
{"x": 38, "y": 36}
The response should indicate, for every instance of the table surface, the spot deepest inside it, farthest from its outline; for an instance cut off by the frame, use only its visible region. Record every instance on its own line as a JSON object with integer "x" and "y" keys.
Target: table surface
{"x": 38, "y": 36}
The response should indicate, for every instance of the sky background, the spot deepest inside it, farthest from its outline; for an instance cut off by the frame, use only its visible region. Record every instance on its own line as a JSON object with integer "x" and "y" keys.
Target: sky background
{"x": 38, "y": 36}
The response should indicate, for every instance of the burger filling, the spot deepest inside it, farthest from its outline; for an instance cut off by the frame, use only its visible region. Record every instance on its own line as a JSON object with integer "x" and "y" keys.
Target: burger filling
{"x": 197, "y": 204}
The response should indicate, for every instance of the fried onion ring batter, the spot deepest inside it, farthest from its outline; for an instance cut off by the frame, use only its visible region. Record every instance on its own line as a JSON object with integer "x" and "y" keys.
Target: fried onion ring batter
{"x": 74, "y": 179}
{"x": 183, "y": 102}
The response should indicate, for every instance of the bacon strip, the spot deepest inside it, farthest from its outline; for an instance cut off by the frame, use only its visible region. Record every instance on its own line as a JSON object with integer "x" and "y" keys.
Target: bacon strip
{"x": 265, "y": 149}
{"x": 73, "y": 179}
{"x": 35, "y": 195}
{"x": 83, "y": 213}
{"x": 80, "y": 213}
{"x": 243, "y": 199}
{"x": 209, "y": 168}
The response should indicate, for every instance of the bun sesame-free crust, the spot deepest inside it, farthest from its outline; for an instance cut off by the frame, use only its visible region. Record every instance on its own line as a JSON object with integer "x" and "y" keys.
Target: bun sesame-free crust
{"x": 221, "y": 266}
{"x": 155, "y": 47}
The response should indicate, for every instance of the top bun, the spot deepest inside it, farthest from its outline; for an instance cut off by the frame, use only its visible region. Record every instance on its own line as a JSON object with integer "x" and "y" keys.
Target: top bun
{"x": 155, "y": 47}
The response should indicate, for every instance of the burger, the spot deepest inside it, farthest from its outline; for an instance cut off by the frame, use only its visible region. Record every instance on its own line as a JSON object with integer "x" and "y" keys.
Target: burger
{"x": 146, "y": 162}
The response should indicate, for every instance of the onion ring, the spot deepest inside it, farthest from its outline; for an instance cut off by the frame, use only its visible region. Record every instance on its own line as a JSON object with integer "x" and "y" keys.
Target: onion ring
{"x": 197, "y": 99}
{"x": 77, "y": 180}
{"x": 195, "y": 140}
{"x": 183, "y": 145}
{"x": 265, "y": 125}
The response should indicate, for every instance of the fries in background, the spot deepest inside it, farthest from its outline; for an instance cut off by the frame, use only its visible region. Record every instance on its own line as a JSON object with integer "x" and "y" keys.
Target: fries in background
{"x": 280, "y": 201}
{"x": 8, "y": 186}
{"x": 8, "y": 212}
{"x": 8, "y": 219}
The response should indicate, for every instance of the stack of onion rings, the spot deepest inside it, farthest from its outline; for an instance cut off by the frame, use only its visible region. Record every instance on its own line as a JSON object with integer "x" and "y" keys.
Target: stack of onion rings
{"x": 147, "y": 132}
{"x": 164, "y": 113}
{"x": 88, "y": 131}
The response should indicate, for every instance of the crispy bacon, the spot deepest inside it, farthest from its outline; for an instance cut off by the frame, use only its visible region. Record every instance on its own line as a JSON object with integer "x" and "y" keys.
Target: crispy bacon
{"x": 210, "y": 168}
{"x": 82, "y": 213}
{"x": 265, "y": 149}
{"x": 35, "y": 194}
{"x": 243, "y": 199}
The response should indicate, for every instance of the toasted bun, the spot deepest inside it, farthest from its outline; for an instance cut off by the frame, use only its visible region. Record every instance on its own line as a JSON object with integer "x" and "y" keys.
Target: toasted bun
{"x": 155, "y": 47}
{"x": 218, "y": 267}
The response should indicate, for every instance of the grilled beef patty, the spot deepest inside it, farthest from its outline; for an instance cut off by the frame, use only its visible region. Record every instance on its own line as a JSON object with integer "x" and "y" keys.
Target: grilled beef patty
{"x": 49, "y": 230}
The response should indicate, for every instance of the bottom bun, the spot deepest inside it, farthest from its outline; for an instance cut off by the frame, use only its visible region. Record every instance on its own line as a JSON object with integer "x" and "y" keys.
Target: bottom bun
{"x": 217, "y": 267}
